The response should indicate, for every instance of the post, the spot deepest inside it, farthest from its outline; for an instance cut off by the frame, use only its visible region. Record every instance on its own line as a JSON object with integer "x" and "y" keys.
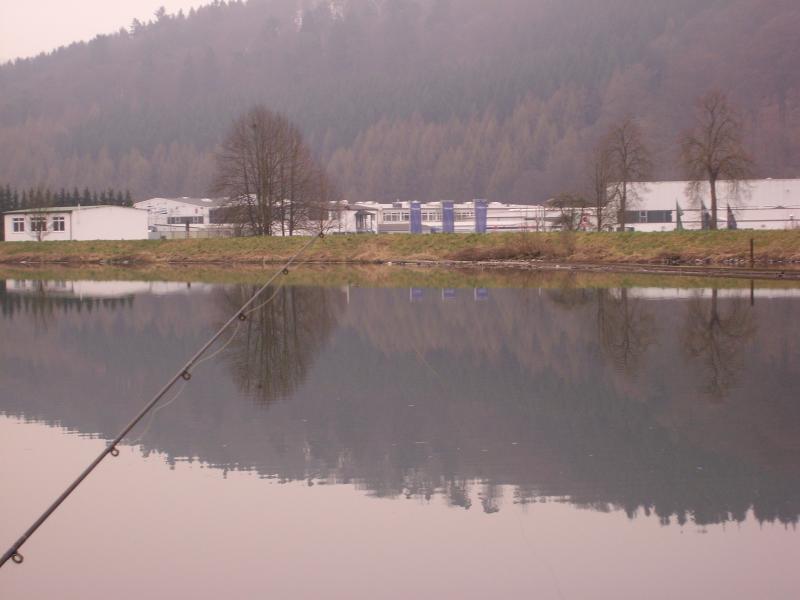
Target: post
{"x": 752, "y": 252}
{"x": 448, "y": 217}
{"x": 415, "y": 217}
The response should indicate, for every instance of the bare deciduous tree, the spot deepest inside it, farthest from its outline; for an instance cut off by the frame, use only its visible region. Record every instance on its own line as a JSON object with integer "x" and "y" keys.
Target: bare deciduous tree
{"x": 269, "y": 175}
{"x": 599, "y": 182}
{"x": 39, "y": 204}
{"x": 629, "y": 165}
{"x": 572, "y": 207}
{"x": 713, "y": 150}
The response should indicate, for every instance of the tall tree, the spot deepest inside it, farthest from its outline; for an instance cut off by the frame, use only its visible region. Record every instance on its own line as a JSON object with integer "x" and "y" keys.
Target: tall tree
{"x": 629, "y": 165}
{"x": 599, "y": 183}
{"x": 713, "y": 150}
{"x": 267, "y": 173}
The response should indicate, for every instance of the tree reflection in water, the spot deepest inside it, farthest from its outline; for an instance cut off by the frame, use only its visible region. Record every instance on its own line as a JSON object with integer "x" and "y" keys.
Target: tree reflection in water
{"x": 715, "y": 338}
{"x": 509, "y": 396}
{"x": 626, "y": 329}
{"x": 279, "y": 341}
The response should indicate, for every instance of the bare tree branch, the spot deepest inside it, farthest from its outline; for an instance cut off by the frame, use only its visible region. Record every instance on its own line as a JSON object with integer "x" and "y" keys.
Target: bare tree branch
{"x": 713, "y": 151}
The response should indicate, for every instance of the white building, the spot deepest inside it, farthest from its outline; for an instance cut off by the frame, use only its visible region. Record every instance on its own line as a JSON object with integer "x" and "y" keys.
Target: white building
{"x": 759, "y": 204}
{"x": 75, "y": 223}
{"x": 174, "y": 216}
{"x": 395, "y": 217}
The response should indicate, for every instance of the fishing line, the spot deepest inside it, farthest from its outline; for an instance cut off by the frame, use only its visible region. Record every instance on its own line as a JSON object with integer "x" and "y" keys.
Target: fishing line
{"x": 184, "y": 373}
{"x": 156, "y": 411}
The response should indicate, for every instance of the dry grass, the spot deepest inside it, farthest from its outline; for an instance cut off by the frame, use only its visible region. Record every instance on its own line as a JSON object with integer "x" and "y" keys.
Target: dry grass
{"x": 721, "y": 247}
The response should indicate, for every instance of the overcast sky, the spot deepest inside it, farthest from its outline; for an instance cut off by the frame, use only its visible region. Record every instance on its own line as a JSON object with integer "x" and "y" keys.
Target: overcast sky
{"x": 28, "y": 27}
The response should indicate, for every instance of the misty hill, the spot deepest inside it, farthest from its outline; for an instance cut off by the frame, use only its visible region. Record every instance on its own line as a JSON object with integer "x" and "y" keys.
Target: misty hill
{"x": 402, "y": 98}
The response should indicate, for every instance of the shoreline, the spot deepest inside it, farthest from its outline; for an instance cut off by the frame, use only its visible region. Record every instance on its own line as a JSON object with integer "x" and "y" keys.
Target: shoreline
{"x": 776, "y": 254}
{"x": 787, "y": 273}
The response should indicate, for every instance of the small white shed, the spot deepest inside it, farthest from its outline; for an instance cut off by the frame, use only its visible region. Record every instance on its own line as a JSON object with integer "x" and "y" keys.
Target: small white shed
{"x": 76, "y": 223}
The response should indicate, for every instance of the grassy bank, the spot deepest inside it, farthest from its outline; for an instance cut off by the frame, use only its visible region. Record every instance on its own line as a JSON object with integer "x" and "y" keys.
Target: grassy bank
{"x": 715, "y": 248}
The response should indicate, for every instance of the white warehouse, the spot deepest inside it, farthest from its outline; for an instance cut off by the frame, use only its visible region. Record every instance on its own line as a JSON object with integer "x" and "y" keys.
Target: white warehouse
{"x": 176, "y": 216}
{"x": 75, "y": 223}
{"x": 758, "y": 204}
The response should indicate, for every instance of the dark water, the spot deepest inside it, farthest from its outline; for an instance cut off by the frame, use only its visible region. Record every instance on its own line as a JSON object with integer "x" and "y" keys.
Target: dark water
{"x": 548, "y": 441}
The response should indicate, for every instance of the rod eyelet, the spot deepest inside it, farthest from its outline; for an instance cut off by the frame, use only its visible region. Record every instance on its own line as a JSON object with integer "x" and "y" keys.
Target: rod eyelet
{"x": 242, "y": 317}
{"x": 114, "y": 451}
{"x": 286, "y": 271}
{"x": 186, "y": 375}
{"x": 17, "y": 558}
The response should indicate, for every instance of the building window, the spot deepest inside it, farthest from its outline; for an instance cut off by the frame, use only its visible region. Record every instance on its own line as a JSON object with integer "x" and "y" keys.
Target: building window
{"x": 38, "y": 224}
{"x": 58, "y": 224}
{"x": 465, "y": 215}
{"x": 431, "y": 215}
{"x": 184, "y": 220}
{"x": 395, "y": 216}
{"x": 648, "y": 216}
{"x": 18, "y": 224}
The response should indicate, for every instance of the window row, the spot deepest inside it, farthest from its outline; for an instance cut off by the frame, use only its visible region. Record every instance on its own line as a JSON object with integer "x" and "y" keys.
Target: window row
{"x": 648, "y": 216}
{"x": 397, "y": 216}
{"x": 38, "y": 224}
{"x": 185, "y": 220}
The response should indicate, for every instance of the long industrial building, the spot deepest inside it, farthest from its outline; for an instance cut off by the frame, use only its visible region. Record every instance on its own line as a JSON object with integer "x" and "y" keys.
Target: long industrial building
{"x": 756, "y": 204}
{"x": 441, "y": 217}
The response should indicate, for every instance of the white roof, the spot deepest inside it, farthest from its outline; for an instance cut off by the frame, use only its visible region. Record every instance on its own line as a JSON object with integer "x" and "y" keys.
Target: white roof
{"x": 205, "y": 202}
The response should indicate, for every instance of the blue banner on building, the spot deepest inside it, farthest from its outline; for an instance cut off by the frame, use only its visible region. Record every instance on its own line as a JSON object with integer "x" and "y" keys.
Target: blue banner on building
{"x": 416, "y": 217}
{"x": 448, "y": 218}
{"x": 481, "y": 215}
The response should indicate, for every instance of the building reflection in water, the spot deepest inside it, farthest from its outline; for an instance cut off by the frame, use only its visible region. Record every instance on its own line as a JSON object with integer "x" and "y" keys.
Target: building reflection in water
{"x": 640, "y": 399}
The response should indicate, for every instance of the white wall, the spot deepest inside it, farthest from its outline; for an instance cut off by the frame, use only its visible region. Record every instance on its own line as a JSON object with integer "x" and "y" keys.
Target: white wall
{"x": 109, "y": 223}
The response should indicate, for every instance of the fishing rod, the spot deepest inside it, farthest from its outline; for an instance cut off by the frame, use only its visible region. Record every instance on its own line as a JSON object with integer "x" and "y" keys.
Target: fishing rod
{"x": 183, "y": 373}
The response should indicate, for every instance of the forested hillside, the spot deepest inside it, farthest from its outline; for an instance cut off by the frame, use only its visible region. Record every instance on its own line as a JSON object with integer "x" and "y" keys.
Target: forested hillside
{"x": 402, "y": 98}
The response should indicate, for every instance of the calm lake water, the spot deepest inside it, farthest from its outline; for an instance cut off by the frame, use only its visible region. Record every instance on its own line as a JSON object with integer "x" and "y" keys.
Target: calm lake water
{"x": 531, "y": 436}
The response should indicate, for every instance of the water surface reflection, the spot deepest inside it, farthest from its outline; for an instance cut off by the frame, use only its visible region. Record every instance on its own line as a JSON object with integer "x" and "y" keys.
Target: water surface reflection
{"x": 678, "y": 403}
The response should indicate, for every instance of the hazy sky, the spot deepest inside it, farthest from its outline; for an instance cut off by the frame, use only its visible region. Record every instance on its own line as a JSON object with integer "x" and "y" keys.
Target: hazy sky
{"x": 28, "y": 27}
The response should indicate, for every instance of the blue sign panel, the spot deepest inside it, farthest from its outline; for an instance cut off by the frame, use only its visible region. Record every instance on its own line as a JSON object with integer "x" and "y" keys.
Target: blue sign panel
{"x": 481, "y": 216}
{"x": 448, "y": 218}
{"x": 416, "y": 217}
